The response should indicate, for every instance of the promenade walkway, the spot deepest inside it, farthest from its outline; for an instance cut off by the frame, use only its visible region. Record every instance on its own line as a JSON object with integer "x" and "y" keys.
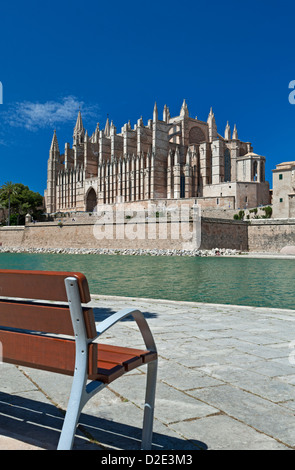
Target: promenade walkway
{"x": 226, "y": 381}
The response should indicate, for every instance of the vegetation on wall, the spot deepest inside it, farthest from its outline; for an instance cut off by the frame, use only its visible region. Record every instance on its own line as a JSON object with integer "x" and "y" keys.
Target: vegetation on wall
{"x": 267, "y": 213}
{"x": 239, "y": 216}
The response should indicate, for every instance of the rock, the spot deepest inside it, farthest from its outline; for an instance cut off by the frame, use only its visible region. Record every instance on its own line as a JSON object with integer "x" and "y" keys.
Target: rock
{"x": 288, "y": 250}
{"x": 129, "y": 251}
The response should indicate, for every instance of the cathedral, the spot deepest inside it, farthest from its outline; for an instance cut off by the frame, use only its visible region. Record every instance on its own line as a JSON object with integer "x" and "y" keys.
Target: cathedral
{"x": 171, "y": 158}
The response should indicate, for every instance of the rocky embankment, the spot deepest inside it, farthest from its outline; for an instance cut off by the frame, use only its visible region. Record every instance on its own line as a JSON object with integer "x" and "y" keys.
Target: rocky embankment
{"x": 135, "y": 252}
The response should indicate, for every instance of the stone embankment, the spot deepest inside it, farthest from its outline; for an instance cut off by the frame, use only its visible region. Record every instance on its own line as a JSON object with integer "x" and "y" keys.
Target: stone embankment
{"x": 134, "y": 252}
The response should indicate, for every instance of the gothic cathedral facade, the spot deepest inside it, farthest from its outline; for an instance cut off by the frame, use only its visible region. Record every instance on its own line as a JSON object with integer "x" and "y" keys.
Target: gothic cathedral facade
{"x": 170, "y": 158}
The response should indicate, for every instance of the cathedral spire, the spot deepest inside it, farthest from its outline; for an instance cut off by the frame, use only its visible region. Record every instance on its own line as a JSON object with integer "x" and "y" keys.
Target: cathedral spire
{"x": 235, "y": 133}
{"x": 165, "y": 113}
{"x": 107, "y": 127}
{"x": 96, "y": 133}
{"x": 79, "y": 130}
{"x": 212, "y": 126}
{"x": 211, "y": 114}
{"x": 184, "y": 109}
{"x": 155, "y": 113}
{"x": 227, "y": 132}
{"x": 54, "y": 148}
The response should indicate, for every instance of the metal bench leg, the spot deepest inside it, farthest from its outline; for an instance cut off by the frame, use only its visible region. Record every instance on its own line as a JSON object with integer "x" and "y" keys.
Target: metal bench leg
{"x": 74, "y": 408}
{"x": 78, "y": 392}
{"x": 147, "y": 430}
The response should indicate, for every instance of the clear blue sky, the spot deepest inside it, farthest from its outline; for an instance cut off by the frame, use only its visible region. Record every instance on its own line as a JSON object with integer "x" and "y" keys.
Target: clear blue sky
{"x": 118, "y": 58}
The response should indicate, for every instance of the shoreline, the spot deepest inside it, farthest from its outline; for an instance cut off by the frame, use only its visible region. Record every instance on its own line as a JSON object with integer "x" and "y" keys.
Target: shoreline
{"x": 215, "y": 252}
{"x": 188, "y": 303}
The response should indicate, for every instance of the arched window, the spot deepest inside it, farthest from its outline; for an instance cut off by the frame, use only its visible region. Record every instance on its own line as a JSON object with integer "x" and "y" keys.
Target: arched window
{"x": 254, "y": 176}
{"x": 91, "y": 200}
{"x": 227, "y": 165}
{"x": 182, "y": 186}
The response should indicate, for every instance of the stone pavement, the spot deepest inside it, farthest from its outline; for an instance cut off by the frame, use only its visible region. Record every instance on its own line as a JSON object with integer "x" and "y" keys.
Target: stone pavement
{"x": 226, "y": 381}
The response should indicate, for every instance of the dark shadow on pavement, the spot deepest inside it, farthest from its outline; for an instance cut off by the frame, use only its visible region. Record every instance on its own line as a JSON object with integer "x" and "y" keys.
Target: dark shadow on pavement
{"x": 40, "y": 424}
{"x": 101, "y": 314}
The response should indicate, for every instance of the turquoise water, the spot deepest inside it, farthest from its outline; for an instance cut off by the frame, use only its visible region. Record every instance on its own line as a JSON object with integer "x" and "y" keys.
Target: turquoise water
{"x": 238, "y": 281}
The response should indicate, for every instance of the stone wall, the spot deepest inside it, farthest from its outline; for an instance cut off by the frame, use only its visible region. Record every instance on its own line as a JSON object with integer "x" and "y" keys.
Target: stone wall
{"x": 222, "y": 233}
{"x": 12, "y": 236}
{"x": 90, "y": 235}
{"x": 129, "y": 235}
{"x": 216, "y": 233}
{"x": 257, "y": 235}
{"x": 271, "y": 235}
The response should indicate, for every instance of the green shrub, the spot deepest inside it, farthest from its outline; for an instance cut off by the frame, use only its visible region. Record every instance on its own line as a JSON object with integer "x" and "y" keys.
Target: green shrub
{"x": 239, "y": 216}
{"x": 268, "y": 211}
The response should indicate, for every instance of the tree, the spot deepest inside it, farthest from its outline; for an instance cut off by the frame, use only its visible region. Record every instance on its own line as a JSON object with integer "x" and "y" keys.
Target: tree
{"x": 20, "y": 200}
{"x": 7, "y": 191}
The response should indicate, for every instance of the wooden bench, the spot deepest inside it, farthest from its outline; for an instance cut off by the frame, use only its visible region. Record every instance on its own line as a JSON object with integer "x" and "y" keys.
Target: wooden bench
{"x": 38, "y": 309}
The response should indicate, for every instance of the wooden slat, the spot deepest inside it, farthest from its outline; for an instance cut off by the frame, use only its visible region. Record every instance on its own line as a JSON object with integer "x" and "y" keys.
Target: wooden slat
{"x": 41, "y": 285}
{"x": 129, "y": 361}
{"x": 114, "y": 361}
{"x": 27, "y": 316}
{"x": 41, "y": 352}
{"x": 43, "y": 318}
{"x": 147, "y": 356}
{"x": 107, "y": 372}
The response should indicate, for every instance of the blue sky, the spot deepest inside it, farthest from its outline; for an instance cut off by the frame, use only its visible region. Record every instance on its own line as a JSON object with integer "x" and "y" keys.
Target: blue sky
{"x": 118, "y": 58}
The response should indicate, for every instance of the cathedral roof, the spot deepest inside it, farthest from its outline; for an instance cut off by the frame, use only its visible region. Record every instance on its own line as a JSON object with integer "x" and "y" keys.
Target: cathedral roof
{"x": 251, "y": 154}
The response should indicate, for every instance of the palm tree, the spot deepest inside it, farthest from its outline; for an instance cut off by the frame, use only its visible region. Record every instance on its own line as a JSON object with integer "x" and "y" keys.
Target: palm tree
{"x": 7, "y": 190}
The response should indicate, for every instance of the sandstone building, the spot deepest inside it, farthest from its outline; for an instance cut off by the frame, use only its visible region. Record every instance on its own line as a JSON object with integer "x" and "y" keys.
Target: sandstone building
{"x": 284, "y": 190}
{"x": 169, "y": 158}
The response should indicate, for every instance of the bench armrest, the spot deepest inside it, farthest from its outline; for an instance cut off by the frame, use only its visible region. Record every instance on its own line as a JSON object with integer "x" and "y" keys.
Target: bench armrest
{"x": 141, "y": 323}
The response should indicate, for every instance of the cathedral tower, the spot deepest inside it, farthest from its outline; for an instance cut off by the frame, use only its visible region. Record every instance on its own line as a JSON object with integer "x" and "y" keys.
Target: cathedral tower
{"x": 52, "y": 168}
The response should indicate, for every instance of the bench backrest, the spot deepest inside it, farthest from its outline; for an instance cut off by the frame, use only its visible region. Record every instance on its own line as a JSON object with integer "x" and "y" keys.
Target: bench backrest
{"x": 33, "y": 305}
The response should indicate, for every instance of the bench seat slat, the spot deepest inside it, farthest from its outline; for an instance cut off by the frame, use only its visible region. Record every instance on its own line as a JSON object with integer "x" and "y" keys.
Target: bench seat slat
{"x": 125, "y": 358}
{"x": 147, "y": 356}
{"x": 106, "y": 362}
{"x": 43, "y": 352}
{"x": 129, "y": 361}
{"x": 107, "y": 372}
{"x": 26, "y": 316}
{"x": 42, "y": 285}
{"x": 43, "y": 318}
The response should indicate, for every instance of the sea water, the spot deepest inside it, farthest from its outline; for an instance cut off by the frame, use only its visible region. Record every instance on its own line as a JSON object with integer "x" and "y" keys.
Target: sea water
{"x": 225, "y": 280}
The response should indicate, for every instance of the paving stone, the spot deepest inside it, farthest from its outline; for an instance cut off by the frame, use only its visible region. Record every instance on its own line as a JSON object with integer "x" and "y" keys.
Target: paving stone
{"x": 223, "y": 433}
{"x": 225, "y": 381}
{"x": 171, "y": 404}
{"x": 257, "y": 412}
{"x": 12, "y": 380}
